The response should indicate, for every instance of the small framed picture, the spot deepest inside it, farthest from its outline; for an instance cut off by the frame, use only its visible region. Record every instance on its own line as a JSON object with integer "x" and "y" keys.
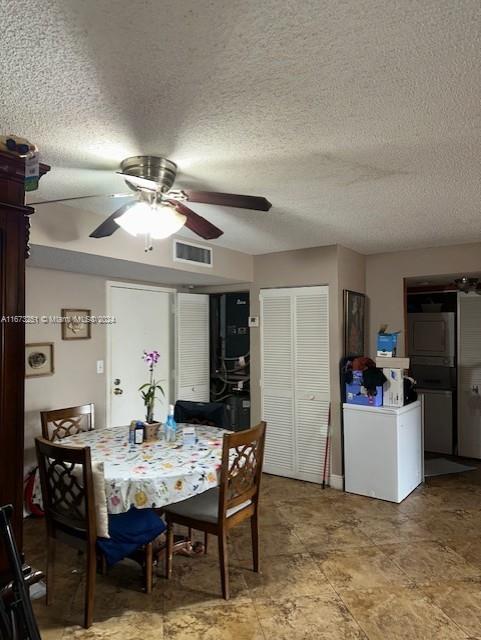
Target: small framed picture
{"x": 75, "y": 325}
{"x": 39, "y": 359}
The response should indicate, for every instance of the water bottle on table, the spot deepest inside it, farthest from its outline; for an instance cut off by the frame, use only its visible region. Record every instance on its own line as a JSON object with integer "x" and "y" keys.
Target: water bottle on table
{"x": 170, "y": 426}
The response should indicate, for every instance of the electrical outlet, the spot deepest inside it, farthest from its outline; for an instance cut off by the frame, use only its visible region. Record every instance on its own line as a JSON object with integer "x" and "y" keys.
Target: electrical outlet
{"x": 253, "y": 321}
{"x": 100, "y": 366}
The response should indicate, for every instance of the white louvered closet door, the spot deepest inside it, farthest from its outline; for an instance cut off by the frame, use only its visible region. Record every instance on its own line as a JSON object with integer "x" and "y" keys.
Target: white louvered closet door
{"x": 469, "y": 375}
{"x": 311, "y": 348}
{"x": 295, "y": 380}
{"x": 192, "y": 353}
{"x": 276, "y": 379}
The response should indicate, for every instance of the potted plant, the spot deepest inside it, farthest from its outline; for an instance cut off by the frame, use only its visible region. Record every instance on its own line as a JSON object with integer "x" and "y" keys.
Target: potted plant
{"x": 148, "y": 391}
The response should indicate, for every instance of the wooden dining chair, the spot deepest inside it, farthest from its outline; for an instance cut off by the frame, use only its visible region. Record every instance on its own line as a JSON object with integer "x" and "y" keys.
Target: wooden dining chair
{"x": 218, "y": 510}
{"x": 69, "y": 504}
{"x": 61, "y": 423}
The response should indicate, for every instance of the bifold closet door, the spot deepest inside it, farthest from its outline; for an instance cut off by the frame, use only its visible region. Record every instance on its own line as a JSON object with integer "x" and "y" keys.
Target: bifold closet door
{"x": 192, "y": 353}
{"x": 277, "y": 376}
{"x": 295, "y": 380}
{"x": 311, "y": 376}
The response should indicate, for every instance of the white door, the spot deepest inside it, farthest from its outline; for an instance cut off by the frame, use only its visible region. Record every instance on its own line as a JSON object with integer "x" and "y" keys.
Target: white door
{"x": 311, "y": 321}
{"x": 193, "y": 364}
{"x": 469, "y": 375}
{"x": 277, "y": 377}
{"x": 295, "y": 380}
{"x": 143, "y": 322}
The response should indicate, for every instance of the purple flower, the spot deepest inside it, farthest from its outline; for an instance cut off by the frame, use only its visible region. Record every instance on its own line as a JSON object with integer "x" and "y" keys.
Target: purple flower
{"x": 151, "y": 357}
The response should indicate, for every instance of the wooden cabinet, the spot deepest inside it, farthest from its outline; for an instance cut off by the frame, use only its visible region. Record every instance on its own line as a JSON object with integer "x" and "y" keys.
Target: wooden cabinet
{"x": 14, "y": 226}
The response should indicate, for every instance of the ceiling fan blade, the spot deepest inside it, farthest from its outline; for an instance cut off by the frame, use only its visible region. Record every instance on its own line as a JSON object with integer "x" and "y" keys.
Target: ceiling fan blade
{"x": 196, "y": 223}
{"x": 109, "y": 225}
{"x": 257, "y": 203}
{"x": 100, "y": 195}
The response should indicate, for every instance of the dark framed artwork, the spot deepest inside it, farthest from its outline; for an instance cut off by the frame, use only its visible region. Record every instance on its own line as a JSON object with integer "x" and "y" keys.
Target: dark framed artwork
{"x": 39, "y": 359}
{"x": 75, "y": 325}
{"x": 354, "y": 323}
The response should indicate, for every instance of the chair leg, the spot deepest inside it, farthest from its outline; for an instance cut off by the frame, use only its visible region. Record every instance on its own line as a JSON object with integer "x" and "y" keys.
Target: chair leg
{"x": 255, "y": 541}
{"x": 149, "y": 566}
{"x": 90, "y": 586}
{"x": 169, "y": 552}
{"x": 50, "y": 569}
{"x": 101, "y": 564}
{"x": 206, "y": 540}
{"x": 224, "y": 567}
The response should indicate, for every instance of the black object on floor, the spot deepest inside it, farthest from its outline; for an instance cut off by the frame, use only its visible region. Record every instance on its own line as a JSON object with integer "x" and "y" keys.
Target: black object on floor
{"x": 208, "y": 413}
{"x": 17, "y": 620}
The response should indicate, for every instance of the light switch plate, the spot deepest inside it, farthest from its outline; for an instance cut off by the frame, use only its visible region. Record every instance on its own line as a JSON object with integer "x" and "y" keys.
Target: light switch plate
{"x": 100, "y": 366}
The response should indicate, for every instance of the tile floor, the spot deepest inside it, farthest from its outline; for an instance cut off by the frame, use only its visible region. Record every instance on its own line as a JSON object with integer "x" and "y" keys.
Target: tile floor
{"x": 334, "y": 566}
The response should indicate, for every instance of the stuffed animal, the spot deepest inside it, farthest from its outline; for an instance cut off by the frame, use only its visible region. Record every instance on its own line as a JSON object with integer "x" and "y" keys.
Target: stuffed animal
{"x": 17, "y": 146}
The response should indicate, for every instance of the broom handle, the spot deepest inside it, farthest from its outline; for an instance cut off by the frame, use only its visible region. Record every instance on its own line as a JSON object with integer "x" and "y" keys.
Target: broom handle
{"x": 326, "y": 451}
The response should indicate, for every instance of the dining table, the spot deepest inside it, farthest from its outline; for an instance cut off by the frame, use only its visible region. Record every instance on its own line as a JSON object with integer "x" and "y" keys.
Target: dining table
{"x": 153, "y": 474}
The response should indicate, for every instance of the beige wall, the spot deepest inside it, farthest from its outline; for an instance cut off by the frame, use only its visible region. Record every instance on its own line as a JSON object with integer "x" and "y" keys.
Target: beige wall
{"x": 352, "y": 276}
{"x": 63, "y": 227}
{"x": 75, "y": 380}
{"x": 385, "y": 273}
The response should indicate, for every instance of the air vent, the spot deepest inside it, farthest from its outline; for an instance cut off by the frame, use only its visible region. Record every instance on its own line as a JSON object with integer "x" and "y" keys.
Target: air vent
{"x": 192, "y": 253}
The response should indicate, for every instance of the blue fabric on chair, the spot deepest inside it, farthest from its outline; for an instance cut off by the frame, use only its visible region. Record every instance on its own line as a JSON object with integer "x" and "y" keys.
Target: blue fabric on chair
{"x": 129, "y": 531}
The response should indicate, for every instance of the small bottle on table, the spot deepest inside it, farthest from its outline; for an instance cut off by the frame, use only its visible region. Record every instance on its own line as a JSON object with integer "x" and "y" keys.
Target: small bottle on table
{"x": 170, "y": 426}
{"x": 139, "y": 432}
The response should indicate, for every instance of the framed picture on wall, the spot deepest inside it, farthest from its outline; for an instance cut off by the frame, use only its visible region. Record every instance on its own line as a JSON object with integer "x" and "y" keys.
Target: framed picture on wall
{"x": 74, "y": 325}
{"x": 354, "y": 323}
{"x": 39, "y": 359}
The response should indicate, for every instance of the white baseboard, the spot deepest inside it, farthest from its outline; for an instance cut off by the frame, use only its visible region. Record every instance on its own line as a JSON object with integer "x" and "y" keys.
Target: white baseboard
{"x": 336, "y": 482}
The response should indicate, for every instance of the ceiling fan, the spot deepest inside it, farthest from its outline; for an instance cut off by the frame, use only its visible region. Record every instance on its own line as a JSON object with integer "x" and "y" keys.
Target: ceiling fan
{"x": 158, "y": 211}
{"x": 467, "y": 284}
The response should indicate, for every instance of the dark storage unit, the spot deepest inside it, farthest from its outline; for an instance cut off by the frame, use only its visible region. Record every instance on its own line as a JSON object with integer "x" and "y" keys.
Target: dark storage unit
{"x": 230, "y": 345}
{"x": 239, "y": 411}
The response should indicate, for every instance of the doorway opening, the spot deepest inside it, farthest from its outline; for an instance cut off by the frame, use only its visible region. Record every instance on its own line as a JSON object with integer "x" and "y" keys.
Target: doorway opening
{"x": 443, "y": 342}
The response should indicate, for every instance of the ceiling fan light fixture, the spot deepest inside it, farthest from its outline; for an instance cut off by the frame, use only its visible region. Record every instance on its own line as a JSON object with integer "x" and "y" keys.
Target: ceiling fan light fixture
{"x": 167, "y": 222}
{"x": 155, "y": 221}
{"x": 465, "y": 284}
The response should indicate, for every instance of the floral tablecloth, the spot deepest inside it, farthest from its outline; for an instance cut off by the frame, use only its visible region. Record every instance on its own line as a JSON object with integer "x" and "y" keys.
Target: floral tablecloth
{"x": 153, "y": 474}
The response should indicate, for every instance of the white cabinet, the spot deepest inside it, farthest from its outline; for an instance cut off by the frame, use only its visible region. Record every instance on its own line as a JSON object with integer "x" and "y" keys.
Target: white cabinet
{"x": 383, "y": 452}
{"x": 295, "y": 380}
{"x": 192, "y": 352}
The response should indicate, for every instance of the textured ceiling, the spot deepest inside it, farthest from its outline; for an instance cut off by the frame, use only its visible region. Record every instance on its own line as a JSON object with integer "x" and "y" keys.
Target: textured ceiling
{"x": 359, "y": 119}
